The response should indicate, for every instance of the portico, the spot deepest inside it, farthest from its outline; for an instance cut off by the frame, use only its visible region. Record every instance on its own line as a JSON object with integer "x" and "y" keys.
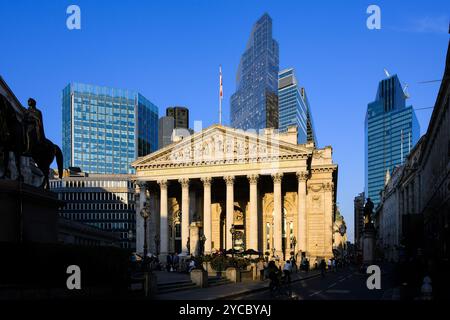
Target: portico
{"x": 271, "y": 189}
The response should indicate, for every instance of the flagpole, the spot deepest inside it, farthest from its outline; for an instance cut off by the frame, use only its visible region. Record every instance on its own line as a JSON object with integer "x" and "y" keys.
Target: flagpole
{"x": 220, "y": 95}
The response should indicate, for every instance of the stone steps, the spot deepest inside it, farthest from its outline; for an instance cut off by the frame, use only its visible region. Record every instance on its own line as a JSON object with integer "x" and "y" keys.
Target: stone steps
{"x": 175, "y": 286}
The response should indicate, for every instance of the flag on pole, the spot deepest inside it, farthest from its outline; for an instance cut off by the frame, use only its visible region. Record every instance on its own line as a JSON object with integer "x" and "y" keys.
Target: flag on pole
{"x": 220, "y": 79}
{"x": 220, "y": 94}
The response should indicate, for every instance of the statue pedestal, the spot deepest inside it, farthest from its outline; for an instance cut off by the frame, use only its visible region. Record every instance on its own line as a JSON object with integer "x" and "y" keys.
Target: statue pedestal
{"x": 28, "y": 213}
{"x": 369, "y": 246}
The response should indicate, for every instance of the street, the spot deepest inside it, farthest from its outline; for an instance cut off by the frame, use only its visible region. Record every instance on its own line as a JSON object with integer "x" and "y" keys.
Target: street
{"x": 345, "y": 284}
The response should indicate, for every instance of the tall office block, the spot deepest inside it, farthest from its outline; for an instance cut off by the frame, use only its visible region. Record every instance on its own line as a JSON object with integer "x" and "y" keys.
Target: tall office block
{"x": 358, "y": 206}
{"x": 254, "y": 105}
{"x": 294, "y": 108}
{"x": 105, "y": 129}
{"x": 391, "y": 131}
{"x": 180, "y": 115}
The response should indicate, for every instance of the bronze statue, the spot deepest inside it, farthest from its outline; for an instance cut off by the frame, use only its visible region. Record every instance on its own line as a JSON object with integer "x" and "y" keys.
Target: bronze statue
{"x": 27, "y": 139}
{"x": 34, "y": 127}
{"x": 368, "y": 209}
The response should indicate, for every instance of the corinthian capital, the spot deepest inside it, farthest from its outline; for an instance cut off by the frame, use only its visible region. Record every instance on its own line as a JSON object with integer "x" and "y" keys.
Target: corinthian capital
{"x": 229, "y": 180}
{"x": 253, "y": 178}
{"x": 302, "y": 175}
{"x": 277, "y": 177}
{"x": 328, "y": 186}
{"x": 162, "y": 183}
{"x": 206, "y": 181}
{"x": 184, "y": 182}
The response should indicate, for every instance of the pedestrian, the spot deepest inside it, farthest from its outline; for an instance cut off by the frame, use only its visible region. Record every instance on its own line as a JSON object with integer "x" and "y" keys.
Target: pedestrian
{"x": 191, "y": 265}
{"x": 168, "y": 262}
{"x": 322, "y": 266}
{"x": 175, "y": 261}
{"x": 287, "y": 270}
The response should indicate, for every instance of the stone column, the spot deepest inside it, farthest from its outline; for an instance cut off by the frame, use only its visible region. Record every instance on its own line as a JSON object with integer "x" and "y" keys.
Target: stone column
{"x": 207, "y": 228}
{"x": 140, "y": 200}
{"x": 253, "y": 225}
{"x": 328, "y": 216}
{"x": 229, "y": 210}
{"x": 302, "y": 176}
{"x": 277, "y": 213}
{"x": 163, "y": 222}
{"x": 184, "y": 214}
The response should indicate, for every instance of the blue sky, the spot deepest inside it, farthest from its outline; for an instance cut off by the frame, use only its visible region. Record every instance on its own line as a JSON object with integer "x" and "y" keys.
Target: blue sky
{"x": 170, "y": 52}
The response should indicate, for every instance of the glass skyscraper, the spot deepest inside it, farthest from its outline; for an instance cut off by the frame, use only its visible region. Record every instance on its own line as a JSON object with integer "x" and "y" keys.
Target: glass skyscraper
{"x": 391, "y": 131}
{"x": 294, "y": 108}
{"x": 106, "y": 129}
{"x": 254, "y": 105}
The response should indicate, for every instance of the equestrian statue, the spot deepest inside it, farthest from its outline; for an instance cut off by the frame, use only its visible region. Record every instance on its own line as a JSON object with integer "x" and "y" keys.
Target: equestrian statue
{"x": 27, "y": 138}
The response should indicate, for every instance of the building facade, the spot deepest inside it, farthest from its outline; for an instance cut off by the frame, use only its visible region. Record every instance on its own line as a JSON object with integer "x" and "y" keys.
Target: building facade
{"x": 105, "y": 129}
{"x": 254, "y": 105}
{"x": 180, "y": 115}
{"x": 294, "y": 108}
{"x": 175, "y": 123}
{"x": 102, "y": 201}
{"x": 391, "y": 131}
{"x": 267, "y": 188}
{"x": 434, "y": 196}
{"x": 358, "y": 206}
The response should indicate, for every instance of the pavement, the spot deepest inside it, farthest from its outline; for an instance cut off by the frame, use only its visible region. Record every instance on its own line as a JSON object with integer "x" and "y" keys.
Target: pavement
{"x": 229, "y": 291}
{"x": 344, "y": 284}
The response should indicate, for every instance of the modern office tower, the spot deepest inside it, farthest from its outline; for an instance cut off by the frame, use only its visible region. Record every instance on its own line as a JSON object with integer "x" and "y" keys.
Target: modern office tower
{"x": 358, "y": 206}
{"x": 294, "y": 108}
{"x": 165, "y": 129}
{"x": 391, "y": 131}
{"x": 176, "y": 119}
{"x": 106, "y": 129}
{"x": 254, "y": 105}
{"x": 180, "y": 114}
{"x": 103, "y": 201}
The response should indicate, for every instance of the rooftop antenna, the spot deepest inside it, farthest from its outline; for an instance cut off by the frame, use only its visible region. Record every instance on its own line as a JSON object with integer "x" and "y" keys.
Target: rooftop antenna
{"x": 387, "y": 73}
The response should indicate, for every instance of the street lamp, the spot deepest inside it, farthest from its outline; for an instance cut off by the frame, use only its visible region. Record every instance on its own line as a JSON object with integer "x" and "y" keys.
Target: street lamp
{"x": 294, "y": 243}
{"x": 232, "y": 231}
{"x": 157, "y": 242}
{"x": 202, "y": 244}
{"x": 145, "y": 214}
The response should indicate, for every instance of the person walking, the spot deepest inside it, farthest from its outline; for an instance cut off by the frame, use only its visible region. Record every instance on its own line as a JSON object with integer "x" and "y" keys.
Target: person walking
{"x": 322, "y": 267}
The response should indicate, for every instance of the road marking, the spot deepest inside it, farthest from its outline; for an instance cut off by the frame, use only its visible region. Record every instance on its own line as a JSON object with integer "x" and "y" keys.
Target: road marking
{"x": 332, "y": 285}
{"x": 343, "y": 279}
{"x": 317, "y": 292}
{"x": 338, "y": 291}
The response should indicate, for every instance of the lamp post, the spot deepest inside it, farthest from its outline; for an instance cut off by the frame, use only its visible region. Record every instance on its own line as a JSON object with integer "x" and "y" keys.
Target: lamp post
{"x": 202, "y": 245}
{"x": 157, "y": 242}
{"x": 233, "y": 231}
{"x": 294, "y": 243}
{"x": 145, "y": 214}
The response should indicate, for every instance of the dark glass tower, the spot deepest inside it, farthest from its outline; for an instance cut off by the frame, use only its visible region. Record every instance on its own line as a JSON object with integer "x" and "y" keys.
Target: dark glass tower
{"x": 294, "y": 108}
{"x": 254, "y": 105}
{"x": 391, "y": 131}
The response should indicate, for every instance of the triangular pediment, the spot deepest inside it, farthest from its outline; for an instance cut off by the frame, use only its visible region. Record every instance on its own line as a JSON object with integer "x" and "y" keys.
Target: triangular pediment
{"x": 220, "y": 144}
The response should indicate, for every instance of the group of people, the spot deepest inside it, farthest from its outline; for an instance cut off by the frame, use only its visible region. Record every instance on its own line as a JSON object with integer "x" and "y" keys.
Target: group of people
{"x": 172, "y": 262}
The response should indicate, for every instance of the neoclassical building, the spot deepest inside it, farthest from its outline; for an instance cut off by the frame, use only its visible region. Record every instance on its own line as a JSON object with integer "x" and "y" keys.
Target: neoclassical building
{"x": 279, "y": 196}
